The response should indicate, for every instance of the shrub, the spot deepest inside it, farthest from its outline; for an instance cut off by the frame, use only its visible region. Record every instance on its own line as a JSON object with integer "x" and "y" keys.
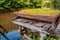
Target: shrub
{"x": 12, "y": 5}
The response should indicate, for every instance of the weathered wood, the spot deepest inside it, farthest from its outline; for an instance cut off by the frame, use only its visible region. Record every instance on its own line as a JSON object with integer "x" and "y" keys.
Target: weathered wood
{"x": 41, "y": 23}
{"x": 47, "y": 18}
{"x": 37, "y": 26}
{"x": 32, "y": 27}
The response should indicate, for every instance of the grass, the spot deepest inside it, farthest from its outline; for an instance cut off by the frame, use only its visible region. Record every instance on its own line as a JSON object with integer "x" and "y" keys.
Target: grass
{"x": 40, "y": 11}
{"x": 52, "y": 38}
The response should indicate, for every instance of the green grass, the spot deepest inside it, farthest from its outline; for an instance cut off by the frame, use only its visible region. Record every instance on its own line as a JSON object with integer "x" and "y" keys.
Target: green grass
{"x": 47, "y": 11}
{"x": 52, "y": 38}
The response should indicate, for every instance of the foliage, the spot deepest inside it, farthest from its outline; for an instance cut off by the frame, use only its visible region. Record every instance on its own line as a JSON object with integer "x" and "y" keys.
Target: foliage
{"x": 12, "y": 5}
{"x": 36, "y": 36}
{"x": 52, "y": 38}
{"x": 46, "y": 11}
{"x": 9, "y": 5}
{"x": 56, "y": 4}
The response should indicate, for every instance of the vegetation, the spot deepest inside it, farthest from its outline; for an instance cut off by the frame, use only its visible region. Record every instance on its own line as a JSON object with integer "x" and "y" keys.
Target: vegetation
{"x": 56, "y": 4}
{"x": 35, "y": 36}
{"x": 12, "y": 5}
{"x": 47, "y": 11}
{"x": 52, "y": 38}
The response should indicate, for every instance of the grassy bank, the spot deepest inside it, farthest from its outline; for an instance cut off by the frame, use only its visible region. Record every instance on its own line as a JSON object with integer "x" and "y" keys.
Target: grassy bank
{"x": 40, "y": 11}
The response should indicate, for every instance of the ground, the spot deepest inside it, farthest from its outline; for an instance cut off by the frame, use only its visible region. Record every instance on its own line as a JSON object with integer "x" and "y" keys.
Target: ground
{"x": 6, "y": 21}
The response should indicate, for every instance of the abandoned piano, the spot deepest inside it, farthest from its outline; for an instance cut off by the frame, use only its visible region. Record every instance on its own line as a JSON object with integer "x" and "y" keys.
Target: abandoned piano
{"x": 41, "y": 23}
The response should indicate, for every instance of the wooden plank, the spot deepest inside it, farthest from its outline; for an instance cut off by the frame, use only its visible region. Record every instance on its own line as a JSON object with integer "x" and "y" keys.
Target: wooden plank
{"x": 40, "y": 17}
{"x": 32, "y": 27}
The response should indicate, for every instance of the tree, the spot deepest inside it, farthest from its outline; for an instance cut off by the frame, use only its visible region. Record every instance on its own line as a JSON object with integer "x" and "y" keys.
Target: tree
{"x": 56, "y": 4}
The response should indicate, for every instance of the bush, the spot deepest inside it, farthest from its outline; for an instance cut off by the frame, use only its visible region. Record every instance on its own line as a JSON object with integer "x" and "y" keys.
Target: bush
{"x": 12, "y": 5}
{"x": 56, "y": 4}
{"x": 9, "y": 5}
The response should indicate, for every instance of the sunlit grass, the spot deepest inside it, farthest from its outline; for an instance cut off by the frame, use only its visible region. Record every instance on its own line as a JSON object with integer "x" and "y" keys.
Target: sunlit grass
{"x": 41, "y": 11}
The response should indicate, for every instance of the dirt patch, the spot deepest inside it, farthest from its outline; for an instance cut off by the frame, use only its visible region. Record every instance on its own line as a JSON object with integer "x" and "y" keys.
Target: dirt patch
{"x": 6, "y": 21}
